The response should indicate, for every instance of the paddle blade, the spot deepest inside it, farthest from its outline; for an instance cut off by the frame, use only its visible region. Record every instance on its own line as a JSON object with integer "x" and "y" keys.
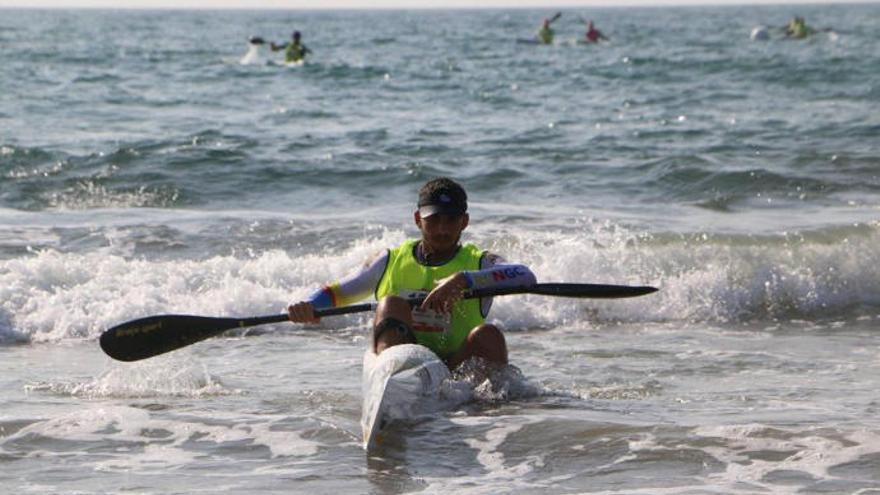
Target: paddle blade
{"x": 592, "y": 291}
{"x": 154, "y": 335}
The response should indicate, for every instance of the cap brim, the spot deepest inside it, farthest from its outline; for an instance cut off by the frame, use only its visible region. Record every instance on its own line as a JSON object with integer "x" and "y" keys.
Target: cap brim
{"x": 428, "y": 210}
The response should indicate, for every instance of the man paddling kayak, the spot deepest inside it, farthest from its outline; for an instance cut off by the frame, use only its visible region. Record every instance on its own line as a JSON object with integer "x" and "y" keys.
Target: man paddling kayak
{"x": 438, "y": 265}
{"x": 545, "y": 33}
{"x": 593, "y": 35}
{"x": 294, "y": 50}
{"x": 797, "y": 28}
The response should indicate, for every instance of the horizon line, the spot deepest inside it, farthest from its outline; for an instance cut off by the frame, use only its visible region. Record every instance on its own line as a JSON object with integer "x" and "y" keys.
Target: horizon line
{"x": 270, "y": 5}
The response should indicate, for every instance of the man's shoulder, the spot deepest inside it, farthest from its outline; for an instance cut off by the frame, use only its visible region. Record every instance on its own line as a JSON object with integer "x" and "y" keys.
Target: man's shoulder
{"x": 375, "y": 259}
{"x": 491, "y": 259}
{"x": 473, "y": 248}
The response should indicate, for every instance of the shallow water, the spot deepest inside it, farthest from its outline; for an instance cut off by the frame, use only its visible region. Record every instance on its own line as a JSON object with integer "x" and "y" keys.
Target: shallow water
{"x": 145, "y": 170}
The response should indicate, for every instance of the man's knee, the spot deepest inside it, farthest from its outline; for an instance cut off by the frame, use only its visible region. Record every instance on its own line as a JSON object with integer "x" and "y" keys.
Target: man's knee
{"x": 486, "y": 333}
{"x": 391, "y": 331}
{"x": 392, "y": 324}
{"x": 488, "y": 341}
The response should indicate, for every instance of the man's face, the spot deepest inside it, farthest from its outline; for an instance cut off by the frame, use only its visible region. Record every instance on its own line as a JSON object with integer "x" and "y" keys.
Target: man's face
{"x": 440, "y": 232}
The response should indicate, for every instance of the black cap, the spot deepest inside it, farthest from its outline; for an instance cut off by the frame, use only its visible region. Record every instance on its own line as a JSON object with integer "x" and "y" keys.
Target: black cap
{"x": 442, "y": 195}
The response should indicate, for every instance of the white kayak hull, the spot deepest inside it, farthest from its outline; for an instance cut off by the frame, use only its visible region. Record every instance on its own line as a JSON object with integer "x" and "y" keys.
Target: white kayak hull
{"x": 403, "y": 382}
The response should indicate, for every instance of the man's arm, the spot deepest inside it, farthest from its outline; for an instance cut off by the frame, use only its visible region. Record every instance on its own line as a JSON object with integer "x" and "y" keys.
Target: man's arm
{"x": 355, "y": 287}
{"x": 494, "y": 272}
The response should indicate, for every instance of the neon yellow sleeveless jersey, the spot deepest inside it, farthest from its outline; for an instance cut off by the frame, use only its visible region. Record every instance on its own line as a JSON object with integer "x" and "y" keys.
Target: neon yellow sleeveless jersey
{"x": 404, "y": 276}
{"x": 294, "y": 52}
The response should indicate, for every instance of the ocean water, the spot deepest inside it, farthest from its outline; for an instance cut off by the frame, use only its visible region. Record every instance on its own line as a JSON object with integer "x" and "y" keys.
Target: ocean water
{"x": 145, "y": 169}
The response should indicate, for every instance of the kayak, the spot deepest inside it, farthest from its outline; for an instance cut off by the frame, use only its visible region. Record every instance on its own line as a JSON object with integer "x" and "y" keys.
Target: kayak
{"x": 402, "y": 383}
{"x": 298, "y": 63}
{"x": 764, "y": 33}
{"x": 759, "y": 33}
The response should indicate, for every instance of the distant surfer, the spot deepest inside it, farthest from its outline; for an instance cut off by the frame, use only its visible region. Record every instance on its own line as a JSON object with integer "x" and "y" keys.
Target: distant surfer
{"x": 594, "y": 35}
{"x": 545, "y": 33}
{"x": 294, "y": 50}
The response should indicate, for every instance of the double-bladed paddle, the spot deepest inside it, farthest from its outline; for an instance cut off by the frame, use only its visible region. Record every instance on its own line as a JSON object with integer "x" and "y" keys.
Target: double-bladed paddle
{"x": 154, "y": 335}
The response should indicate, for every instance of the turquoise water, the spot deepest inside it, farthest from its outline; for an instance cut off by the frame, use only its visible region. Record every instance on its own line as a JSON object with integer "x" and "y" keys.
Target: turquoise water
{"x": 144, "y": 169}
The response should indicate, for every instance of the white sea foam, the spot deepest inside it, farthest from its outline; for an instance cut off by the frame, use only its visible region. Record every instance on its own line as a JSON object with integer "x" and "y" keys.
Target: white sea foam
{"x": 253, "y": 56}
{"x": 50, "y": 295}
{"x": 810, "y": 451}
{"x": 704, "y": 278}
{"x": 88, "y": 194}
{"x": 150, "y": 441}
{"x": 159, "y": 377}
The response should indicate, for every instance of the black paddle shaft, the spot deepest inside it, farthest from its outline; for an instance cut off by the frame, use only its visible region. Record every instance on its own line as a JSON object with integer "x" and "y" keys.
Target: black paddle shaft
{"x": 153, "y": 335}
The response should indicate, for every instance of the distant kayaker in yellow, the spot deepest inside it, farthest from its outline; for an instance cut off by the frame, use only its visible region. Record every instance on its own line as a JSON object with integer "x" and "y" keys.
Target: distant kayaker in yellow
{"x": 545, "y": 33}
{"x": 797, "y": 28}
{"x": 294, "y": 50}
{"x": 439, "y": 266}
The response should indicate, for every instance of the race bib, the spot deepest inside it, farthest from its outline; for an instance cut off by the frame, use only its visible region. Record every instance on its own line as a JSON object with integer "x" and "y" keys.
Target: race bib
{"x": 427, "y": 320}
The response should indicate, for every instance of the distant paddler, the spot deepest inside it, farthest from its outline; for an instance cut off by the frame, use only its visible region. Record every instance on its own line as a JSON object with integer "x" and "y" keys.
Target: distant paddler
{"x": 294, "y": 50}
{"x": 797, "y": 29}
{"x": 593, "y": 35}
{"x": 545, "y": 32}
{"x": 439, "y": 266}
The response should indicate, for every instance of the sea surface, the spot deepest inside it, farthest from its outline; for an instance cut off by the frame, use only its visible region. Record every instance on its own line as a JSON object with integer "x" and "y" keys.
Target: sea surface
{"x": 144, "y": 169}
